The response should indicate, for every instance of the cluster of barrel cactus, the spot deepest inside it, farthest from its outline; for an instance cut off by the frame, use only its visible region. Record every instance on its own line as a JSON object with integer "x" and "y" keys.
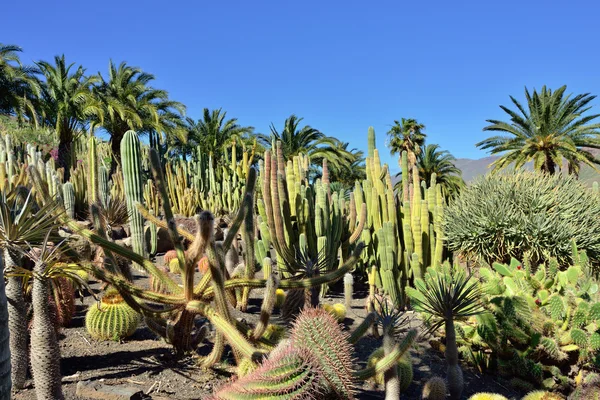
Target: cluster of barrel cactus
{"x": 112, "y": 318}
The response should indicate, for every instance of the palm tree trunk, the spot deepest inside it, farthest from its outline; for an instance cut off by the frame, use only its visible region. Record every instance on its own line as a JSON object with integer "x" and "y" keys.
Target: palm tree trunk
{"x": 5, "y": 370}
{"x": 17, "y": 324}
{"x": 64, "y": 157}
{"x": 115, "y": 146}
{"x": 45, "y": 353}
{"x": 454, "y": 375}
{"x": 549, "y": 165}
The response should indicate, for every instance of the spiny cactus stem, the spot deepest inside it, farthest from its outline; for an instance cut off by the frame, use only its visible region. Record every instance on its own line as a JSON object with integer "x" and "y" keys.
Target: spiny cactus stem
{"x": 361, "y": 224}
{"x": 161, "y": 185}
{"x": 362, "y": 328}
{"x": 293, "y": 284}
{"x": 203, "y": 284}
{"x": 216, "y": 353}
{"x": 233, "y": 336}
{"x": 389, "y": 360}
{"x": 162, "y": 223}
{"x": 390, "y": 377}
{"x": 246, "y": 208}
{"x": 267, "y": 307}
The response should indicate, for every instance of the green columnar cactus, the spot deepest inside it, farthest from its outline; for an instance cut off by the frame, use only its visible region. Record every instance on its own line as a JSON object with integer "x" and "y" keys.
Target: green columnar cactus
{"x": 69, "y": 199}
{"x": 371, "y": 141}
{"x": 92, "y": 170}
{"x": 103, "y": 187}
{"x": 112, "y": 319}
{"x": 132, "y": 168}
{"x": 348, "y": 290}
{"x": 405, "y": 369}
{"x": 405, "y": 177}
{"x": 45, "y": 353}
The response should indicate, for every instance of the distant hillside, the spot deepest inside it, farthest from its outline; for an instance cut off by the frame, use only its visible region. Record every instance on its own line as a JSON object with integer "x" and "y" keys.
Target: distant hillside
{"x": 473, "y": 168}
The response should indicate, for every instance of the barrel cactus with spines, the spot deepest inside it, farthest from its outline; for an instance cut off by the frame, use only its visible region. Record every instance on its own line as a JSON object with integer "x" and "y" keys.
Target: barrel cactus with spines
{"x": 434, "y": 389}
{"x": 112, "y": 318}
{"x": 134, "y": 186}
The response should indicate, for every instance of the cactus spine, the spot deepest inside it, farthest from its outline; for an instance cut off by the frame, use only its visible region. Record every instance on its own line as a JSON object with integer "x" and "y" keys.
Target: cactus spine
{"x": 132, "y": 179}
{"x": 45, "y": 353}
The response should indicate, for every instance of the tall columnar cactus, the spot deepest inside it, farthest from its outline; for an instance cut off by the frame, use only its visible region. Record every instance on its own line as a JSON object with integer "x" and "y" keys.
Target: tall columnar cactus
{"x": 92, "y": 170}
{"x": 348, "y": 290}
{"x": 45, "y": 353}
{"x": 132, "y": 178}
{"x": 5, "y": 370}
{"x": 103, "y": 186}
{"x": 69, "y": 199}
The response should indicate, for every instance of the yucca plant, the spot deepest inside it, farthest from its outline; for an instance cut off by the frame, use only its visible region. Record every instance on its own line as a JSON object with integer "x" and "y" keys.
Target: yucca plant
{"x": 446, "y": 295}
{"x": 22, "y": 224}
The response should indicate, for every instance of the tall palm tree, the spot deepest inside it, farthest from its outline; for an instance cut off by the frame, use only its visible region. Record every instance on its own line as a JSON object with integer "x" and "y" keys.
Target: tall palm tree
{"x": 214, "y": 133}
{"x": 407, "y": 135}
{"x": 128, "y": 102}
{"x": 309, "y": 141}
{"x": 67, "y": 103}
{"x": 552, "y": 128}
{"x": 431, "y": 160}
{"x": 348, "y": 173}
{"x": 19, "y": 87}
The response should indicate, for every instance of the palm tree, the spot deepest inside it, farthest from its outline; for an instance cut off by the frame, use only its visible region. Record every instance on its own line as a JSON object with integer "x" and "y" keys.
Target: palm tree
{"x": 348, "y": 173}
{"x": 407, "y": 135}
{"x": 129, "y": 103}
{"x": 552, "y": 128}
{"x": 19, "y": 87}
{"x": 213, "y": 133}
{"x": 67, "y": 103}
{"x": 431, "y": 160}
{"x": 309, "y": 141}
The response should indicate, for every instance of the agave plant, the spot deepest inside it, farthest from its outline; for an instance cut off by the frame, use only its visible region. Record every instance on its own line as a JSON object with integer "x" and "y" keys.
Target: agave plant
{"x": 447, "y": 295}
{"x": 22, "y": 224}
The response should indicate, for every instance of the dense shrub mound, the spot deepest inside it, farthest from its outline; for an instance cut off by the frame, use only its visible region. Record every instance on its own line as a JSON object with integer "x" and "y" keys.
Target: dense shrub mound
{"x": 508, "y": 215}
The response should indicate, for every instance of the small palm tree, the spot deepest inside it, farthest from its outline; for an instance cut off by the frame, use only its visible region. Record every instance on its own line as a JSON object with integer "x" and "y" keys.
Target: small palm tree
{"x": 407, "y": 135}
{"x": 128, "y": 102}
{"x": 19, "y": 87}
{"x": 214, "y": 133}
{"x": 67, "y": 104}
{"x": 309, "y": 141}
{"x": 431, "y": 160}
{"x": 552, "y": 128}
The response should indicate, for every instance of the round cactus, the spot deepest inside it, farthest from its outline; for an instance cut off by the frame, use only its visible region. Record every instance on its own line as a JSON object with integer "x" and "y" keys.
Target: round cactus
{"x": 405, "y": 369}
{"x": 487, "y": 396}
{"x": 245, "y": 367}
{"x": 170, "y": 255}
{"x": 279, "y": 298}
{"x": 203, "y": 265}
{"x": 112, "y": 318}
{"x": 434, "y": 389}
{"x": 542, "y": 395}
{"x": 274, "y": 333}
{"x": 338, "y": 311}
{"x": 174, "y": 267}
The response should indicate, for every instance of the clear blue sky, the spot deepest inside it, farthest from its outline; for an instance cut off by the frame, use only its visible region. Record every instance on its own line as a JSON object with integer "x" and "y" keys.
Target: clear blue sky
{"x": 342, "y": 65}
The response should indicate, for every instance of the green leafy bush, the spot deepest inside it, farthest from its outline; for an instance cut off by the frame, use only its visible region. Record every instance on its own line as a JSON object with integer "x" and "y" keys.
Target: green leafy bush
{"x": 502, "y": 216}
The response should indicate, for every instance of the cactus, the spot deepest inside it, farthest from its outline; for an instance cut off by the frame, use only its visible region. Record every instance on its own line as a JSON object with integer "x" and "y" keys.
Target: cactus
{"x": 332, "y": 351}
{"x": 132, "y": 168}
{"x": 434, "y": 389}
{"x": 62, "y": 300}
{"x": 405, "y": 369}
{"x": 348, "y": 290}
{"x": 103, "y": 186}
{"x": 338, "y": 311}
{"x": 112, "y": 319}
{"x": 279, "y": 298}
{"x": 69, "y": 199}
{"x": 92, "y": 171}
{"x": 487, "y": 396}
{"x": 542, "y": 395}
{"x": 45, "y": 353}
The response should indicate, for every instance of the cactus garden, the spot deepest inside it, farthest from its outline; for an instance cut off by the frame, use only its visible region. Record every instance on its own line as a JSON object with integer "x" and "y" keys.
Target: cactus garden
{"x": 148, "y": 255}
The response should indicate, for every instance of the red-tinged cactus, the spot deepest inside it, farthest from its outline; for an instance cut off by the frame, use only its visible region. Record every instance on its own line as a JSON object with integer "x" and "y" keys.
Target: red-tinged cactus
{"x": 170, "y": 255}
{"x": 203, "y": 265}
{"x": 318, "y": 331}
{"x": 291, "y": 374}
{"x": 62, "y": 300}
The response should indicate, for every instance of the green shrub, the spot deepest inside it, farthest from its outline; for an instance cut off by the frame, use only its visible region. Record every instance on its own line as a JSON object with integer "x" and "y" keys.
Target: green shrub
{"x": 502, "y": 216}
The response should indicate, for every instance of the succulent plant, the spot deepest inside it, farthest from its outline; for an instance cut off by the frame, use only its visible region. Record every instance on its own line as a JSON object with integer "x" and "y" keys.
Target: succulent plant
{"x": 487, "y": 396}
{"x": 405, "y": 369}
{"x": 542, "y": 395}
{"x": 112, "y": 318}
{"x": 434, "y": 389}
